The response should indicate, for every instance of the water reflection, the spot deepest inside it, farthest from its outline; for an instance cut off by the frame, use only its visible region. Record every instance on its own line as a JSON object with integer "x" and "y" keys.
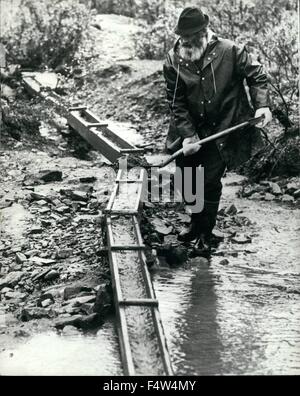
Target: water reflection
{"x": 200, "y": 340}
{"x": 189, "y": 315}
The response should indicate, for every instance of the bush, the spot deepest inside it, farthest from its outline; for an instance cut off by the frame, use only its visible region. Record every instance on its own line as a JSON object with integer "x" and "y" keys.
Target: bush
{"x": 152, "y": 41}
{"x": 144, "y": 9}
{"x": 48, "y": 33}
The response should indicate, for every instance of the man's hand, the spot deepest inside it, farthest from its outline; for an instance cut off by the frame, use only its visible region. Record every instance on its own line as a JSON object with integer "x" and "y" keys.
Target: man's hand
{"x": 268, "y": 116}
{"x": 188, "y": 145}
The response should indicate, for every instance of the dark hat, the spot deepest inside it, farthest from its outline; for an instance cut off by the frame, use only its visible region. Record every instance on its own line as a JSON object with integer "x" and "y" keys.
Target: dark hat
{"x": 191, "y": 21}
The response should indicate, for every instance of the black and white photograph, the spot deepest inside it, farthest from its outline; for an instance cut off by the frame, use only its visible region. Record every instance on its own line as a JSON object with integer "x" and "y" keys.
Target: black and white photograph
{"x": 149, "y": 191}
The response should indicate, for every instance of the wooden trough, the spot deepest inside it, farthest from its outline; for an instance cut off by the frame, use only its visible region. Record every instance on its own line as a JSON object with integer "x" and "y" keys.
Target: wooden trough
{"x": 142, "y": 341}
{"x": 98, "y": 134}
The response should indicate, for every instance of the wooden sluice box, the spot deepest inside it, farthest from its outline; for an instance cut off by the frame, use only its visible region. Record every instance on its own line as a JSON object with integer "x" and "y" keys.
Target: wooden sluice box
{"x": 98, "y": 134}
{"x": 142, "y": 341}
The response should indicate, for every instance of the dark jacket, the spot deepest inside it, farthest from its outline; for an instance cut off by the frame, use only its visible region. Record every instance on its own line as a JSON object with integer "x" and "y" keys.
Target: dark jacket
{"x": 212, "y": 97}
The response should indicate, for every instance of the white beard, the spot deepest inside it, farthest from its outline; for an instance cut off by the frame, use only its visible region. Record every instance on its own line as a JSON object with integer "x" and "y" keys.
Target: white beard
{"x": 194, "y": 53}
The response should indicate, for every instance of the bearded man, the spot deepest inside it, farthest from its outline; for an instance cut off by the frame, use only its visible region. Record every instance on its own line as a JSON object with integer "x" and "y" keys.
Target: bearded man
{"x": 205, "y": 81}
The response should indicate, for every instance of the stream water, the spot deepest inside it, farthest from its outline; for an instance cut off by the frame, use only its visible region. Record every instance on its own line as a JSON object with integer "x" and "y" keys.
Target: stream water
{"x": 244, "y": 317}
{"x": 68, "y": 354}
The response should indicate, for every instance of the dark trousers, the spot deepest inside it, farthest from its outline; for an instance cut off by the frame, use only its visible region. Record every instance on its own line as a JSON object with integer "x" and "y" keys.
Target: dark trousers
{"x": 214, "y": 167}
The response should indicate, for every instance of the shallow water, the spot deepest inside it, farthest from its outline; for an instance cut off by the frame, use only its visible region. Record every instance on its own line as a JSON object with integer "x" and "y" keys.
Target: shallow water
{"x": 242, "y": 318}
{"x": 75, "y": 354}
{"x": 13, "y": 220}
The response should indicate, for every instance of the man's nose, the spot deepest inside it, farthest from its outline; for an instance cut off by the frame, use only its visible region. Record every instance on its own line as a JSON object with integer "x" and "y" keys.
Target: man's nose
{"x": 185, "y": 40}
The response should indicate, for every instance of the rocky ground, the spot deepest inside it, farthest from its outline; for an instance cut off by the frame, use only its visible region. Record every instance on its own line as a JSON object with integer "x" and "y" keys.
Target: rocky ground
{"x": 54, "y": 188}
{"x": 52, "y": 264}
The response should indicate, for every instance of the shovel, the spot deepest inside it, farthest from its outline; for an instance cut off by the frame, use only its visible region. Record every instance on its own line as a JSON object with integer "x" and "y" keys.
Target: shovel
{"x": 252, "y": 121}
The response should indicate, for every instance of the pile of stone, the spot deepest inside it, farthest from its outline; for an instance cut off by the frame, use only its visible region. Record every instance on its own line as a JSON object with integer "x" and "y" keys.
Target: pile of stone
{"x": 278, "y": 189}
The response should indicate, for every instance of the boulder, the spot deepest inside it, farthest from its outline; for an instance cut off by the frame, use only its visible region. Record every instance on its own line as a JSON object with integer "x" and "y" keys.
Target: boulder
{"x": 63, "y": 253}
{"x": 70, "y": 331}
{"x": 296, "y": 194}
{"x": 50, "y": 175}
{"x": 11, "y": 279}
{"x": 184, "y": 218}
{"x": 269, "y": 197}
{"x": 291, "y": 188}
{"x": 37, "y": 197}
{"x": 275, "y": 189}
{"x": 46, "y": 303}
{"x": 46, "y": 223}
{"x": 20, "y": 258}
{"x": 83, "y": 300}
{"x": 287, "y": 198}
{"x": 78, "y": 195}
{"x": 217, "y": 234}
{"x": 43, "y": 298}
{"x": 28, "y": 314}
{"x": 160, "y": 227}
{"x": 15, "y": 295}
{"x": 42, "y": 261}
{"x": 63, "y": 209}
{"x": 88, "y": 179}
{"x": 79, "y": 321}
{"x": 241, "y": 239}
{"x": 71, "y": 291}
{"x": 104, "y": 302}
{"x": 224, "y": 262}
{"x": 35, "y": 230}
{"x": 231, "y": 210}
{"x": 51, "y": 275}
{"x": 255, "y": 196}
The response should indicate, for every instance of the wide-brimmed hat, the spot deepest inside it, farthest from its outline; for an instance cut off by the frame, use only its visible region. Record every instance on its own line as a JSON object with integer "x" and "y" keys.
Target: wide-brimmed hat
{"x": 191, "y": 21}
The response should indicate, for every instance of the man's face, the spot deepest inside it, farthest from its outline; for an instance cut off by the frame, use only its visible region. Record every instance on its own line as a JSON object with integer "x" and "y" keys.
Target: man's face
{"x": 193, "y": 46}
{"x": 194, "y": 40}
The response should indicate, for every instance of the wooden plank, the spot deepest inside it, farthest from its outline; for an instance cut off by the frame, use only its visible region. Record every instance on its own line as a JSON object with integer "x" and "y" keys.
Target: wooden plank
{"x": 99, "y": 142}
{"x": 96, "y": 124}
{"x": 127, "y": 247}
{"x": 31, "y": 85}
{"x": 133, "y": 150}
{"x": 111, "y": 199}
{"x": 138, "y": 200}
{"x": 124, "y": 144}
{"x": 155, "y": 312}
{"x": 128, "y": 365}
{"x": 128, "y": 181}
{"x": 137, "y": 231}
{"x": 162, "y": 342}
{"x": 125, "y": 348}
{"x": 77, "y": 108}
{"x": 125, "y": 212}
{"x": 139, "y": 302}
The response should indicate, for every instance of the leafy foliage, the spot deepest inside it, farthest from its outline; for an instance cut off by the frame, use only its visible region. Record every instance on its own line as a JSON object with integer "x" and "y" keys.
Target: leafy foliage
{"x": 48, "y": 33}
{"x": 154, "y": 40}
{"x": 145, "y": 9}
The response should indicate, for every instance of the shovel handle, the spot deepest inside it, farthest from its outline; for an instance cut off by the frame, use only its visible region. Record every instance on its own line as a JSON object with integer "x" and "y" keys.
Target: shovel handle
{"x": 252, "y": 121}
